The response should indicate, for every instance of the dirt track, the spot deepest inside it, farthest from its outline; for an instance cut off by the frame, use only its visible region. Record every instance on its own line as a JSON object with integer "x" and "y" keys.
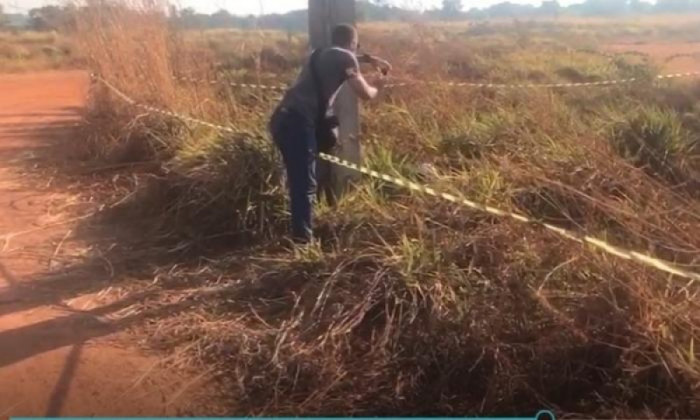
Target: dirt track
{"x": 670, "y": 57}
{"x": 59, "y": 354}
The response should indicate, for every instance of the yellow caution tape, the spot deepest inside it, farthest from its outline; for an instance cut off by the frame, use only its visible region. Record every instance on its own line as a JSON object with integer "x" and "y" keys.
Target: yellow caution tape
{"x": 638, "y": 257}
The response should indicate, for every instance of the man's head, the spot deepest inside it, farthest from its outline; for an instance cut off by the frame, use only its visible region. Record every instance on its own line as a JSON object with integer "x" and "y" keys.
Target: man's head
{"x": 345, "y": 36}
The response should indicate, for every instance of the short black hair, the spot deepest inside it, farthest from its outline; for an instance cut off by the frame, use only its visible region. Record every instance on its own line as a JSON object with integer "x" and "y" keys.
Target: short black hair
{"x": 343, "y": 35}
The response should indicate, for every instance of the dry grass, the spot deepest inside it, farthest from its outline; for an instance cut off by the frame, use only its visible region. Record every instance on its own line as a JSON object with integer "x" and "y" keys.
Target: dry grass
{"x": 31, "y": 51}
{"x": 409, "y": 305}
{"x": 672, "y": 56}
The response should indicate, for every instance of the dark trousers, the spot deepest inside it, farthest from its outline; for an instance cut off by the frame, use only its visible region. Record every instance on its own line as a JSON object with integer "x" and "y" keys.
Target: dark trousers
{"x": 296, "y": 140}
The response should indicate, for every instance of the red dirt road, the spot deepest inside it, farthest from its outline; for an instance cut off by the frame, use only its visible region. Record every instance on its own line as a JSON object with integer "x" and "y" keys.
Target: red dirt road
{"x": 59, "y": 353}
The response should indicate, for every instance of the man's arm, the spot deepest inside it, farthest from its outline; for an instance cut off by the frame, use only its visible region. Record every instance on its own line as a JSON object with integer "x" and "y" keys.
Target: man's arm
{"x": 361, "y": 88}
{"x": 356, "y": 80}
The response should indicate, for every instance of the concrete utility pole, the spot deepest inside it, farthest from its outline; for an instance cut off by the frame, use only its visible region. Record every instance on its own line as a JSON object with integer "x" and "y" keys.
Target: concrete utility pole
{"x": 323, "y": 16}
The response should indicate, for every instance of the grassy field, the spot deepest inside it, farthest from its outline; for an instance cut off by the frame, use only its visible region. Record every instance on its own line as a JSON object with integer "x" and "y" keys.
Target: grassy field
{"x": 29, "y": 51}
{"x": 408, "y": 304}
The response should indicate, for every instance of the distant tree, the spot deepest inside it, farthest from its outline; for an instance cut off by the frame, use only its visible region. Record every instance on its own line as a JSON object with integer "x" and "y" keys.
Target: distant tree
{"x": 476, "y": 14}
{"x": 173, "y": 13}
{"x": 671, "y": 5}
{"x": 187, "y": 12}
{"x": 451, "y": 7}
{"x": 51, "y": 18}
{"x": 510, "y": 10}
{"x": 640, "y": 6}
{"x": 189, "y": 18}
{"x": 4, "y": 20}
{"x": 374, "y": 10}
{"x": 550, "y": 8}
{"x": 387, "y": 10}
{"x": 297, "y": 20}
{"x": 186, "y": 16}
{"x": 221, "y": 19}
{"x": 677, "y": 5}
{"x": 603, "y": 7}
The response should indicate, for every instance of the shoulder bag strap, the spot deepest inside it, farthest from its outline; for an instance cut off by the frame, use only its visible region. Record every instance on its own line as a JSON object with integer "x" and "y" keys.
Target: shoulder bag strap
{"x": 313, "y": 66}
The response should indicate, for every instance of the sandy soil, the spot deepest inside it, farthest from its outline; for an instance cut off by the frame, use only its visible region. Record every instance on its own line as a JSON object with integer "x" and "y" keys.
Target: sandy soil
{"x": 63, "y": 350}
{"x": 672, "y": 57}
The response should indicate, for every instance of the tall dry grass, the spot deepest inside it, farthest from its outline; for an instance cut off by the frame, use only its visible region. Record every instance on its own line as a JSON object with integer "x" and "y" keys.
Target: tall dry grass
{"x": 410, "y": 305}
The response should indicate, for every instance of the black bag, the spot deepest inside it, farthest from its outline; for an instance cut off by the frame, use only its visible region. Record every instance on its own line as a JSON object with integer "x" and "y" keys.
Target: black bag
{"x": 326, "y": 126}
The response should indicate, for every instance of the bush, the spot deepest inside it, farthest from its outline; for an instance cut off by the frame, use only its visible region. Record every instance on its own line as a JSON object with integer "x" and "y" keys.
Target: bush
{"x": 655, "y": 140}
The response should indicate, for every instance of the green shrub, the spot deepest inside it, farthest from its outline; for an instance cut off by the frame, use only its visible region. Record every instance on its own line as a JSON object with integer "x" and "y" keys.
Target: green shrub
{"x": 653, "y": 139}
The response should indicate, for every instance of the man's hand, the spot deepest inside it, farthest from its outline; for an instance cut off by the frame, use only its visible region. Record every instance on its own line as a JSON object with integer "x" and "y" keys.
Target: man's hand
{"x": 381, "y": 65}
{"x": 378, "y": 63}
{"x": 380, "y": 83}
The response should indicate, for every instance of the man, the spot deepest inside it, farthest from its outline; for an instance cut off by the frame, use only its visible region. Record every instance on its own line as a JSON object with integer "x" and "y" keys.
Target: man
{"x": 293, "y": 124}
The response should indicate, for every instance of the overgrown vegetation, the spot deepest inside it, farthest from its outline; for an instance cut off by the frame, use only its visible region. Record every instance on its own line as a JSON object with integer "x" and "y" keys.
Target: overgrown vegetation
{"x": 410, "y": 305}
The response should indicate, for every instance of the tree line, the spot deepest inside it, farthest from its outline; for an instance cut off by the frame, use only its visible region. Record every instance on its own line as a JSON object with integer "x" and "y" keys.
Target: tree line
{"x": 44, "y": 18}
{"x": 386, "y": 10}
{"x": 62, "y": 17}
{"x": 586, "y": 8}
